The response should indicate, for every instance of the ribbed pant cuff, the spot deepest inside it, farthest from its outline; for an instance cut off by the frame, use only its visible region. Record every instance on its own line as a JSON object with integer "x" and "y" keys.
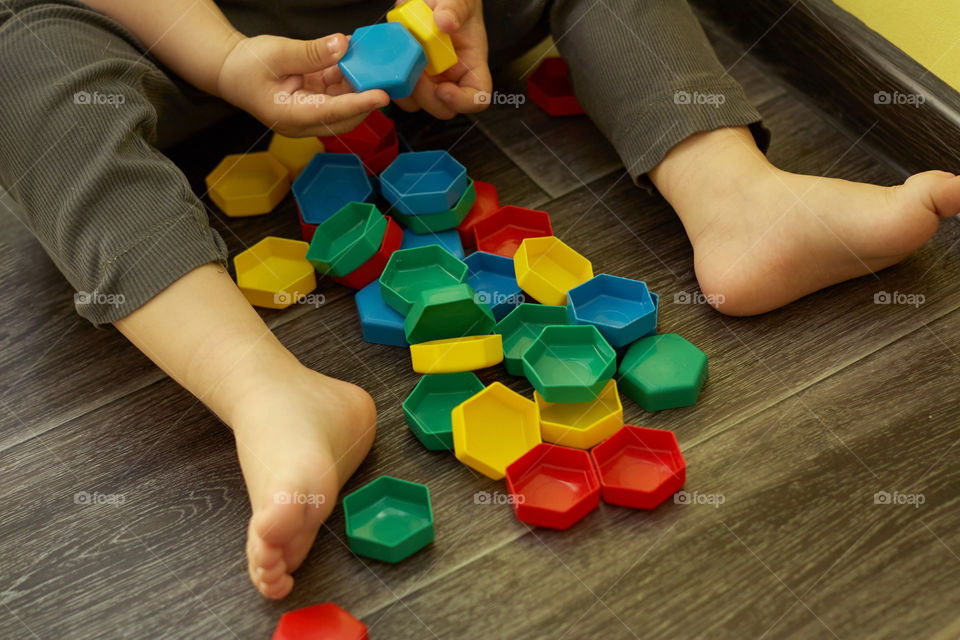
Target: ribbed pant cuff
{"x": 153, "y": 263}
{"x": 670, "y": 119}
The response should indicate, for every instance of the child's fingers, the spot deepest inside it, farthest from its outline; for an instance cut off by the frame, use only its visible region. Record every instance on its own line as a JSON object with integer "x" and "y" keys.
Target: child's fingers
{"x": 425, "y": 95}
{"x": 323, "y": 115}
{"x": 306, "y": 56}
{"x": 451, "y": 14}
{"x": 463, "y": 99}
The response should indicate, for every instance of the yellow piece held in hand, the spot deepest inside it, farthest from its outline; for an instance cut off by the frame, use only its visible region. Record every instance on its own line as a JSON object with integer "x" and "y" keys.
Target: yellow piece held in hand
{"x": 417, "y": 17}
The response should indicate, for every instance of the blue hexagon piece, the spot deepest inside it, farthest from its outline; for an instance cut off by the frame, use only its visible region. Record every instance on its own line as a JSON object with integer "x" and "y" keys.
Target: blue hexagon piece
{"x": 380, "y": 324}
{"x": 493, "y": 278}
{"x": 383, "y": 56}
{"x": 328, "y": 183}
{"x": 423, "y": 182}
{"x": 449, "y": 240}
{"x": 624, "y": 310}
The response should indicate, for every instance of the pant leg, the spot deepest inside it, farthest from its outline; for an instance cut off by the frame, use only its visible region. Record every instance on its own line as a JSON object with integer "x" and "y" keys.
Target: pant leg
{"x": 646, "y": 74}
{"x": 80, "y": 112}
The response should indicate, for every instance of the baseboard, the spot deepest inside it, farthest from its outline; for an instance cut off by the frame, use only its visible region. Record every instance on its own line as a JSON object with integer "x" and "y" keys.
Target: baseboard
{"x": 869, "y": 86}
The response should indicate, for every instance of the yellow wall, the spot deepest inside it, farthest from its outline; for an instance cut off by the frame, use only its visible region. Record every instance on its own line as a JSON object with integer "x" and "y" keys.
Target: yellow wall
{"x": 927, "y": 30}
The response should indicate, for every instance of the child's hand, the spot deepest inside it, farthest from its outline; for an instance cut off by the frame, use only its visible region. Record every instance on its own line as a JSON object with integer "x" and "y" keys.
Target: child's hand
{"x": 294, "y": 86}
{"x": 456, "y": 89}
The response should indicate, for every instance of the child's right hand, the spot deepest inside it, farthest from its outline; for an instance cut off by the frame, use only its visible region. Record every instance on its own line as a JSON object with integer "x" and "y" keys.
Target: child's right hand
{"x": 294, "y": 87}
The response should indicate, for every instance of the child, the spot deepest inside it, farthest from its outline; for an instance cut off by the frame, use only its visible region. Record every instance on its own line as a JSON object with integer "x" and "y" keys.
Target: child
{"x": 86, "y": 104}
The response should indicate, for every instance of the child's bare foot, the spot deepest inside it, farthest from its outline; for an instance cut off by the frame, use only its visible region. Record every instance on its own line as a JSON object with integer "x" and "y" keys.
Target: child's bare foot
{"x": 763, "y": 237}
{"x": 299, "y": 437}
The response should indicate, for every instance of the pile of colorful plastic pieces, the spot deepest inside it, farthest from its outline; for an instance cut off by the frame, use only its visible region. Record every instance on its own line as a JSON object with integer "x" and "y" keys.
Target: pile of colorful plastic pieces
{"x": 465, "y": 284}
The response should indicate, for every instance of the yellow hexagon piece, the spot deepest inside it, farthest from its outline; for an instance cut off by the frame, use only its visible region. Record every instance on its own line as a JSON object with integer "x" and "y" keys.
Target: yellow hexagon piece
{"x": 493, "y": 428}
{"x": 274, "y": 273}
{"x": 453, "y": 355}
{"x": 547, "y": 268}
{"x": 248, "y": 184}
{"x": 417, "y": 17}
{"x": 294, "y": 153}
{"x": 581, "y": 424}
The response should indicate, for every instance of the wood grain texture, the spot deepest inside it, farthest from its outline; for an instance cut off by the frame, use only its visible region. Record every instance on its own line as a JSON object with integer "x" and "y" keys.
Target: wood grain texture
{"x": 808, "y": 412}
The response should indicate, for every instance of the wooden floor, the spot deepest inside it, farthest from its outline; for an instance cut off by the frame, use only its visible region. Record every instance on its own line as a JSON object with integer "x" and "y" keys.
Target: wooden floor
{"x": 808, "y": 413}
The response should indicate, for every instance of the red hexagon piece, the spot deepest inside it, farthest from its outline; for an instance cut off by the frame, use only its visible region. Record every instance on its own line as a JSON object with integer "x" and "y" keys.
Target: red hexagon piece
{"x": 639, "y": 467}
{"x": 486, "y": 205}
{"x": 504, "y": 230}
{"x": 373, "y": 267}
{"x": 549, "y": 87}
{"x": 553, "y": 486}
{"x": 376, "y": 133}
{"x": 324, "y": 621}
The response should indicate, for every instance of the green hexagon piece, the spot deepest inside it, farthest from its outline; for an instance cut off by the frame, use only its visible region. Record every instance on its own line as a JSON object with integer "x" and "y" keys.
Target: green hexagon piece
{"x": 663, "y": 372}
{"x": 447, "y": 312}
{"x": 388, "y": 519}
{"x": 521, "y": 327}
{"x": 569, "y": 363}
{"x": 347, "y": 239}
{"x": 410, "y": 272}
{"x": 427, "y": 408}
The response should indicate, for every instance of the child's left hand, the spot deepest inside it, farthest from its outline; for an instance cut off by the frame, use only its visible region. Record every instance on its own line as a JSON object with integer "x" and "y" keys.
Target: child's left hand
{"x": 456, "y": 89}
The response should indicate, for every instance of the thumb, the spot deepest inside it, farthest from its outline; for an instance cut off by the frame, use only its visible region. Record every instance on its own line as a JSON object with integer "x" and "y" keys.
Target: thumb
{"x": 307, "y": 56}
{"x": 450, "y": 15}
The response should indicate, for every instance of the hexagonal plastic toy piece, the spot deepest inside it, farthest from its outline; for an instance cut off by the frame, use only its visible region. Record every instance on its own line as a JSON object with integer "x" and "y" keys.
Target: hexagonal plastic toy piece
{"x": 410, "y": 272}
{"x": 447, "y": 312}
{"x": 275, "y": 273}
{"x": 388, "y": 519}
{"x": 547, "y": 268}
{"x": 347, "y": 239}
{"x": 443, "y": 221}
{"x": 427, "y": 408}
{"x": 422, "y": 182}
{"x": 324, "y": 621}
{"x": 663, "y": 372}
{"x": 569, "y": 363}
{"x": 449, "y": 240}
{"x": 248, "y": 184}
{"x": 495, "y": 282}
{"x": 329, "y": 182}
{"x": 503, "y": 231}
{"x": 581, "y": 424}
{"x": 417, "y": 17}
{"x": 521, "y": 327}
{"x": 553, "y": 486}
{"x": 639, "y": 467}
{"x": 294, "y": 153}
{"x": 373, "y": 267}
{"x": 452, "y": 355}
{"x": 622, "y": 309}
{"x": 486, "y": 204}
{"x": 494, "y": 428}
{"x": 549, "y": 88}
{"x": 383, "y": 56}
{"x": 379, "y": 323}
{"x": 374, "y": 140}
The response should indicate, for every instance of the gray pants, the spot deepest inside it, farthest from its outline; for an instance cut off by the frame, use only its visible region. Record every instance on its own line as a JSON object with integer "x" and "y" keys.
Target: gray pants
{"x": 119, "y": 218}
